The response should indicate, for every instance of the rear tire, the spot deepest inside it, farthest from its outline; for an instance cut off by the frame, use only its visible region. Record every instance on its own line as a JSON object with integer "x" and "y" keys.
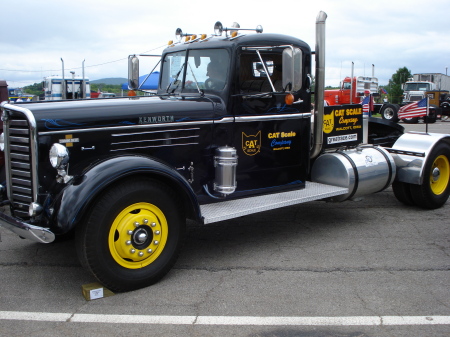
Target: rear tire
{"x": 435, "y": 188}
{"x": 133, "y": 235}
{"x": 402, "y": 192}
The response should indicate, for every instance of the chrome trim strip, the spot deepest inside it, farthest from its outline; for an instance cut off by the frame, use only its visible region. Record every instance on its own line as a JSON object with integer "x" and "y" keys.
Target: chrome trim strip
{"x": 240, "y": 119}
{"x": 151, "y": 146}
{"x": 151, "y": 132}
{"x": 33, "y": 150}
{"x": 156, "y": 140}
{"x": 224, "y": 120}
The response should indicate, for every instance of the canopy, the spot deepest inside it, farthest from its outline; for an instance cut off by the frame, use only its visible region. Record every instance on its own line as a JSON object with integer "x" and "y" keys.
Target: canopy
{"x": 150, "y": 84}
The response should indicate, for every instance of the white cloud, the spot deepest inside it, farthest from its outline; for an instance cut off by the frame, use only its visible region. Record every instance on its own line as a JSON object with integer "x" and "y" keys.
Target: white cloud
{"x": 389, "y": 34}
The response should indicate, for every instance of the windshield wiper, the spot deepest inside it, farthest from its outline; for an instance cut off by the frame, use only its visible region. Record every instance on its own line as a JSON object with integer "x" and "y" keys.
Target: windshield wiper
{"x": 175, "y": 81}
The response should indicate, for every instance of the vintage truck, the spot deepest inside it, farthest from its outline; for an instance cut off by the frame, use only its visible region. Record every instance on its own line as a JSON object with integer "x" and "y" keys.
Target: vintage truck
{"x": 229, "y": 133}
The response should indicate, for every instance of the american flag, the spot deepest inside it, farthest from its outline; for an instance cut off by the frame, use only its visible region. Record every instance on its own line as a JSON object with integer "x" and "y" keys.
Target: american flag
{"x": 367, "y": 104}
{"x": 416, "y": 109}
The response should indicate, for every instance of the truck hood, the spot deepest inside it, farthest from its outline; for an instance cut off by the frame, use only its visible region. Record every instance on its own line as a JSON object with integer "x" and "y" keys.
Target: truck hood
{"x": 93, "y": 113}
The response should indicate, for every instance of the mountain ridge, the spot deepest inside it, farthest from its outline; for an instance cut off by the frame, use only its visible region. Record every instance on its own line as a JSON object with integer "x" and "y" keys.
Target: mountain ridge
{"x": 110, "y": 81}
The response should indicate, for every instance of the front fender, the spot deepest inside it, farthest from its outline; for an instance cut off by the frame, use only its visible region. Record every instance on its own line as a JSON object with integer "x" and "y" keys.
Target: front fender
{"x": 76, "y": 198}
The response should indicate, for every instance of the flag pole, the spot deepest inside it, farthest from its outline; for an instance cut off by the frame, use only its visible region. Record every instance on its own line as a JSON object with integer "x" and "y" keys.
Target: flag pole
{"x": 426, "y": 119}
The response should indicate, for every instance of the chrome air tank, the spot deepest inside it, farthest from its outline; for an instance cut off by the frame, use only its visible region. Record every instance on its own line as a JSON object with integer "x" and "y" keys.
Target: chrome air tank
{"x": 225, "y": 163}
{"x": 364, "y": 170}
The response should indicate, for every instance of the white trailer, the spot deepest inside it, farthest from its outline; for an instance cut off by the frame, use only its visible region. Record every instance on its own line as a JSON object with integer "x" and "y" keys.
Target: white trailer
{"x": 58, "y": 88}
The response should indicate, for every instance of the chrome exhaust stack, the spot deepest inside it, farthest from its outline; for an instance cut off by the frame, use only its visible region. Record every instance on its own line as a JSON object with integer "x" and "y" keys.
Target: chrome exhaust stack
{"x": 320, "y": 84}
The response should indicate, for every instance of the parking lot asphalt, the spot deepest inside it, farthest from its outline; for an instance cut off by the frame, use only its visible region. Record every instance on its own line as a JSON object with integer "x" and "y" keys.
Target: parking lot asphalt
{"x": 372, "y": 267}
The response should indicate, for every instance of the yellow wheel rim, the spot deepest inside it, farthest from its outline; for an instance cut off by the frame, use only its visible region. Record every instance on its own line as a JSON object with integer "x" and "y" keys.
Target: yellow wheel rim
{"x": 138, "y": 235}
{"x": 440, "y": 175}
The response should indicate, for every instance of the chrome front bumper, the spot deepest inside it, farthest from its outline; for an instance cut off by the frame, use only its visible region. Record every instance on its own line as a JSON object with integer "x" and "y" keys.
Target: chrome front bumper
{"x": 25, "y": 230}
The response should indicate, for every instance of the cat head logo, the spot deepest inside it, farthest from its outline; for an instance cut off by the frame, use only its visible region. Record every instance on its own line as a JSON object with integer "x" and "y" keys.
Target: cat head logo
{"x": 328, "y": 122}
{"x": 251, "y": 145}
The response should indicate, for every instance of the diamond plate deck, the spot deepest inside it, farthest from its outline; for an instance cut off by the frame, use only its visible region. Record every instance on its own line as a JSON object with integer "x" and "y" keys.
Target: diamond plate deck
{"x": 235, "y": 208}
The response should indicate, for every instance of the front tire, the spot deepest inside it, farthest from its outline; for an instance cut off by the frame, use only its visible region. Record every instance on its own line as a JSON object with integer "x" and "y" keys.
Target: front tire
{"x": 412, "y": 120}
{"x": 133, "y": 235}
{"x": 435, "y": 189}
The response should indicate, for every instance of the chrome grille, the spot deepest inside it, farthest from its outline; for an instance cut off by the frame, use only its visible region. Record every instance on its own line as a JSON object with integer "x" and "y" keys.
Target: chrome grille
{"x": 19, "y": 156}
{"x": 154, "y": 139}
{"x": 415, "y": 98}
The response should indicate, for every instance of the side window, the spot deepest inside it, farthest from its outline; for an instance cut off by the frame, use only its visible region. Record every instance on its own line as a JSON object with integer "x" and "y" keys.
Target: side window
{"x": 254, "y": 77}
{"x": 207, "y": 69}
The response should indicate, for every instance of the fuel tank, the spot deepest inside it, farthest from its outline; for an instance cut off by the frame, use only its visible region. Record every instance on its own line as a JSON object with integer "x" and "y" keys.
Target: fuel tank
{"x": 363, "y": 170}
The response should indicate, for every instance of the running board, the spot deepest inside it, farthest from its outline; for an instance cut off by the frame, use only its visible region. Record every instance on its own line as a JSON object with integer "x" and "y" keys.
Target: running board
{"x": 239, "y": 207}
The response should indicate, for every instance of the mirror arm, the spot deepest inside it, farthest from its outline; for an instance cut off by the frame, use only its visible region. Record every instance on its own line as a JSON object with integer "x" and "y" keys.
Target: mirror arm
{"x": 140, "y": 85}
{"x": 265, "y": 69}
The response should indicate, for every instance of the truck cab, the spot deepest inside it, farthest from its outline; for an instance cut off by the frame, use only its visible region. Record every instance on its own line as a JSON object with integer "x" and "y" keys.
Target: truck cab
{"x": 352, "y": 90}
{"x": 414, "y": 91}
{"x": 241, "y": 79}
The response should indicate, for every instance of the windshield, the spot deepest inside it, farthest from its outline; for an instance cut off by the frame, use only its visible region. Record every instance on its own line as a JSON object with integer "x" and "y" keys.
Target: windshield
{"x": 173, "y": 65}
{"x": 417, "y": 86}
{"x": 205, "y": 69}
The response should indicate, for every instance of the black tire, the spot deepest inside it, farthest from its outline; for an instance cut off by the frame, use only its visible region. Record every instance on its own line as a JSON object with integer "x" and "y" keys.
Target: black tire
{"x": 429, "y": 119}
{"x": 412, "y": 120}
{"x": 389, "y": 112}
{"x": 137, "y": 216}
{"x": 435, "y": 188}
{"x": 433, "y": 112}
{"x": 402, "y": 192}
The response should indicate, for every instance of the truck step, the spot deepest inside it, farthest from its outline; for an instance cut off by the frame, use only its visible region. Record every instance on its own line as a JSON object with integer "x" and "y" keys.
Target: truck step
{"x": 239, "y": 207}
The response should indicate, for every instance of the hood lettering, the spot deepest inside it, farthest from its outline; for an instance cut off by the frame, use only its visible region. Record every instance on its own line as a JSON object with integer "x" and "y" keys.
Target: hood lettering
{"x": 156, "y": 119}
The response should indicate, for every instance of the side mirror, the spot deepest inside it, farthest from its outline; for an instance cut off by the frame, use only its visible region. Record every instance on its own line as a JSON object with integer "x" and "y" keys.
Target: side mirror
{"x": 133, "y": 72}
{"x": 292, "y": 69}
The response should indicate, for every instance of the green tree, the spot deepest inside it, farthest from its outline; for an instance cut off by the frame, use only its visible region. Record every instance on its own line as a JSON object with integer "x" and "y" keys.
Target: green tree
{"x": 33, "y": 89}
{"x": 106, "y": 88}
{"x": 395, "y": 92}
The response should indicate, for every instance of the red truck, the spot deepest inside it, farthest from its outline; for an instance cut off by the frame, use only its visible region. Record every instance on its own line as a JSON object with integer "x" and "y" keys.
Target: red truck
{"x": 347, "y": 95}
{"x": 352, "y": 92}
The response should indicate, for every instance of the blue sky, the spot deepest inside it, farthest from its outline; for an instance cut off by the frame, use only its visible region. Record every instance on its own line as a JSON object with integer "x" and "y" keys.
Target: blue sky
{"x": 389, "y": 34}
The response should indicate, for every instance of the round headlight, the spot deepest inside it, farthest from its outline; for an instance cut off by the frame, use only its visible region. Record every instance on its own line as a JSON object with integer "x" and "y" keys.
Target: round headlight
{"x": 59, "y": 155}
{"x": 2, "y": 142}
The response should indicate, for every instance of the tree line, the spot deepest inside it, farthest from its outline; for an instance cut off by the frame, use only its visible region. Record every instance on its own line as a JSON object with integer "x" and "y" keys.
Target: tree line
{"x": 38, "y": 88}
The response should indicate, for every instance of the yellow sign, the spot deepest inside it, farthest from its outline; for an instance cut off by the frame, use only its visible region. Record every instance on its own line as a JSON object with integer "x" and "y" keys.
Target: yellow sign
{"x": 328, "y": 122}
